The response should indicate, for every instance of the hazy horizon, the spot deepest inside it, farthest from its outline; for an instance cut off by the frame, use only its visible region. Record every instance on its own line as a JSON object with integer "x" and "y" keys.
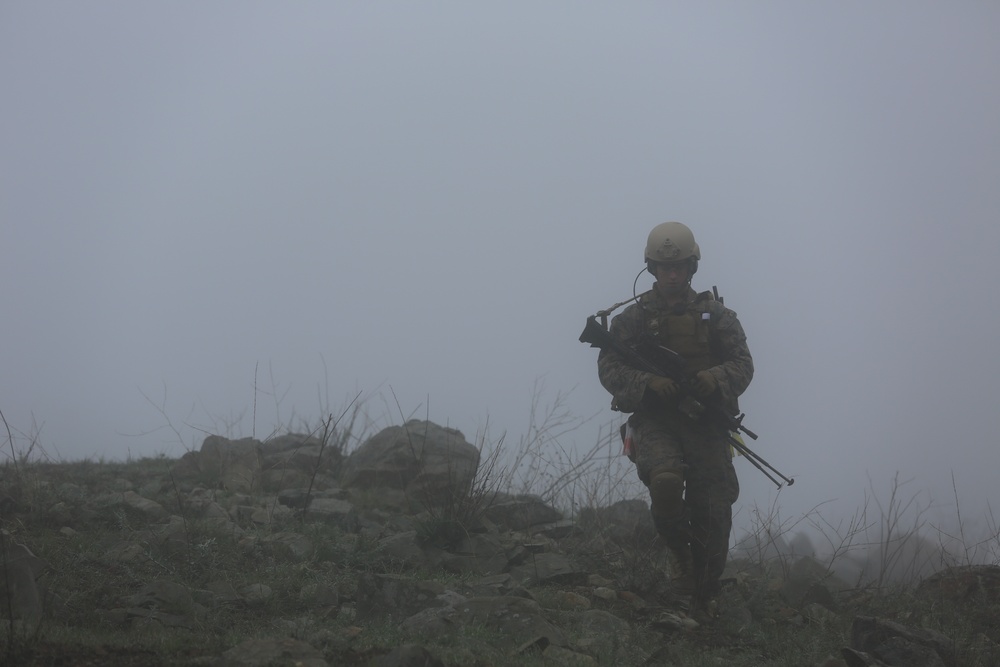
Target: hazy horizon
{"x": 210, "y": 206}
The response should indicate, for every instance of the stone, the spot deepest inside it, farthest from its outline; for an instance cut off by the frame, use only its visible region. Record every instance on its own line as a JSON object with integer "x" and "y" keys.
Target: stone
{"x": 408, "y": 655}
{"x": 877, "y": 636}
{"x": 964, "y": 584}
{"x": 167, "y": 596}
{"x": 809, "y": 582}
{"x": 268, "y": 652}
{"x": 549, "y": 568}
{"x": 433, "y": 466}
{"x": 234, "y": 465}
{"x": 150, "y": 508}
{"x": 564, "y": 656}
{"x": 294, "y": 547}
{"x": 521, "y": 512}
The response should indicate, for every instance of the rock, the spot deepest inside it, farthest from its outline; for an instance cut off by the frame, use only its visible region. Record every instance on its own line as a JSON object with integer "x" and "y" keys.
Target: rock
{"x": 556, "y": 530}
{"x": 247, "y": 515}
{"x": 549, "y": 568}
{"x": 517, "y": 619}
{"x": 810, "y": 582}
{"x": 222, "y": 592}
{"x": 564, "y": 656}
{"x": 605, "y": 593}
{"x": 290, "y": 546}
{"x": 905, "y": 653}
{"x": 397, "y": 596}
{"x": 670, "y": 623}
{"x": 320, "y": 595}
{"x": 626, "y": 521}
{"x": 125, "y": 552}
{"x": 197, "y": 500}
{"x": 497, "y": 584}
{"x": 234, "y": 465}
{"x": 592, "y": 623}
{"x": 431, "y": 622}
{"x": 433, "y": 466}
{"x": 521, "y": 512}
{"x": 405, "y": 548}
{"x": 74, "y": 492}
{"x": 831, "y": 661}
{"x": 141, "y": 616}
{"x": 479, "y": 554}
{"x": 296, "y": 498}
{"x": 257, "y": 594}
{"x": 150, "y": 508}
{"x": 884, "y": 639}
{"x": 964, "y": 584}
{"x": 165, "y": 595}
{"x": 408, "y": 655}
{"x": 571, "y": 600}
{"x": 272, "y": 653}
{"x": 334, "y": 512}
{"x": 818, "y": 614}
{"x": 301, "y": 452}
{"x": 298, "y": 458}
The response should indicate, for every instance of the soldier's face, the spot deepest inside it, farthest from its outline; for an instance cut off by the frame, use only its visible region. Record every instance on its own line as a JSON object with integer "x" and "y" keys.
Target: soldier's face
{"x": 672, "y": 276}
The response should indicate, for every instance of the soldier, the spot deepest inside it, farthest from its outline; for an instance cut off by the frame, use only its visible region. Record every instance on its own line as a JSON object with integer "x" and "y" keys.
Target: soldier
{"x": 685, "y": 463}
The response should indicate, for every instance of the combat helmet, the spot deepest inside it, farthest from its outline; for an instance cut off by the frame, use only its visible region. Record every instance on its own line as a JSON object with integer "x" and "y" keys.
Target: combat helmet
{"x": 672, "y": 242}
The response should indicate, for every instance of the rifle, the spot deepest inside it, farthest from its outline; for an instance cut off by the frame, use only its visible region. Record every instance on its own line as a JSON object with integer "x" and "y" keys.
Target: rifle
{"x": 671, "y": 365}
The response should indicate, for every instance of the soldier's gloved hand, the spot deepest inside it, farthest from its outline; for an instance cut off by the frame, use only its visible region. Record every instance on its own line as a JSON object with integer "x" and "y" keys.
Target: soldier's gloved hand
{"x": 663, "y": 387}
{"x": 704, "y": 384}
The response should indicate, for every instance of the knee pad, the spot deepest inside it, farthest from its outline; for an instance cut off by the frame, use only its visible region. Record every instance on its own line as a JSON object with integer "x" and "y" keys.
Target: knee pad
{"x": 666, "y": 494}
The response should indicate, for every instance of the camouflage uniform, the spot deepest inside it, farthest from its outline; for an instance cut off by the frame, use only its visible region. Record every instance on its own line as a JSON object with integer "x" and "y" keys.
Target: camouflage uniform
{"x": 694, "y": 514}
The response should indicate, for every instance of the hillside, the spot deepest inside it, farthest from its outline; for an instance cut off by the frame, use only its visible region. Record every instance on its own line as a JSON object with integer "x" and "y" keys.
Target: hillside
{"x": 408, "y": 552}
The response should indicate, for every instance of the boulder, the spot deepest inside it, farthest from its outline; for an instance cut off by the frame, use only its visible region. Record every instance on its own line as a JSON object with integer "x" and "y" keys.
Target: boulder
{"x": 279, "y": 651}
{"x": 431, "y": 465}
{"x": 964, "y": 584}
{"x": 809, "y": 581}
{"x": 152, "y": 509}
{"x": 625, "y": 521}
{"x": 899, "y": 645}
{"x": 397, "y": 596}
{"x": 514, "y": 620}
{"x": 301, "y": 451}
{"x": 408, "y": 655}
{"x": 234, "y": 465}
{"x": 549, "y": 568}
{"x": 521, "y": 512}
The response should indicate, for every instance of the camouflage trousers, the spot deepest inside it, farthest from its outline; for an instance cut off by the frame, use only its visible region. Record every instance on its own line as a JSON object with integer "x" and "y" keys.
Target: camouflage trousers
{"x": 702, "y": 516}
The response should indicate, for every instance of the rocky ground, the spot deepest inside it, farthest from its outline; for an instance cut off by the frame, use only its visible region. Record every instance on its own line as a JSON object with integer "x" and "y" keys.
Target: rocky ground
{"x": 286, "y": 552}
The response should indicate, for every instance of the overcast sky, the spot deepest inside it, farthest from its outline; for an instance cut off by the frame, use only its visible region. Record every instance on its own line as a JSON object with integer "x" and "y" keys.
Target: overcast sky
{"x": 428, "y": 199}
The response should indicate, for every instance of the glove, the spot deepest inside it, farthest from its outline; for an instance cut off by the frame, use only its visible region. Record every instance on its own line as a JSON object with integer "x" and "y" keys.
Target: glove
{"x": 663, "y": 387}
{"x": 704, "y": 384}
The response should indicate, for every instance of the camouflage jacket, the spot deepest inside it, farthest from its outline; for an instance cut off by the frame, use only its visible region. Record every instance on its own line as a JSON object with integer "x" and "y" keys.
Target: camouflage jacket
{"x": 726, "y": 357}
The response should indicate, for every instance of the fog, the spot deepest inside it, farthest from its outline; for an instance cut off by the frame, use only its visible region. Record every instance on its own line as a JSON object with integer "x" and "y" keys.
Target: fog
{"x": 234, "y": 216}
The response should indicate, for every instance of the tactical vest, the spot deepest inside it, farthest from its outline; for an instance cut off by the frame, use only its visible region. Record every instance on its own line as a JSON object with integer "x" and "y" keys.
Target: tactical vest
{"x": 687, "y": 333}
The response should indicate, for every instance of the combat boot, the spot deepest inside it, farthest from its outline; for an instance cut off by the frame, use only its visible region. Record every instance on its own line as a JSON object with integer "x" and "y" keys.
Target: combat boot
{"x": 703, "y": 610}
